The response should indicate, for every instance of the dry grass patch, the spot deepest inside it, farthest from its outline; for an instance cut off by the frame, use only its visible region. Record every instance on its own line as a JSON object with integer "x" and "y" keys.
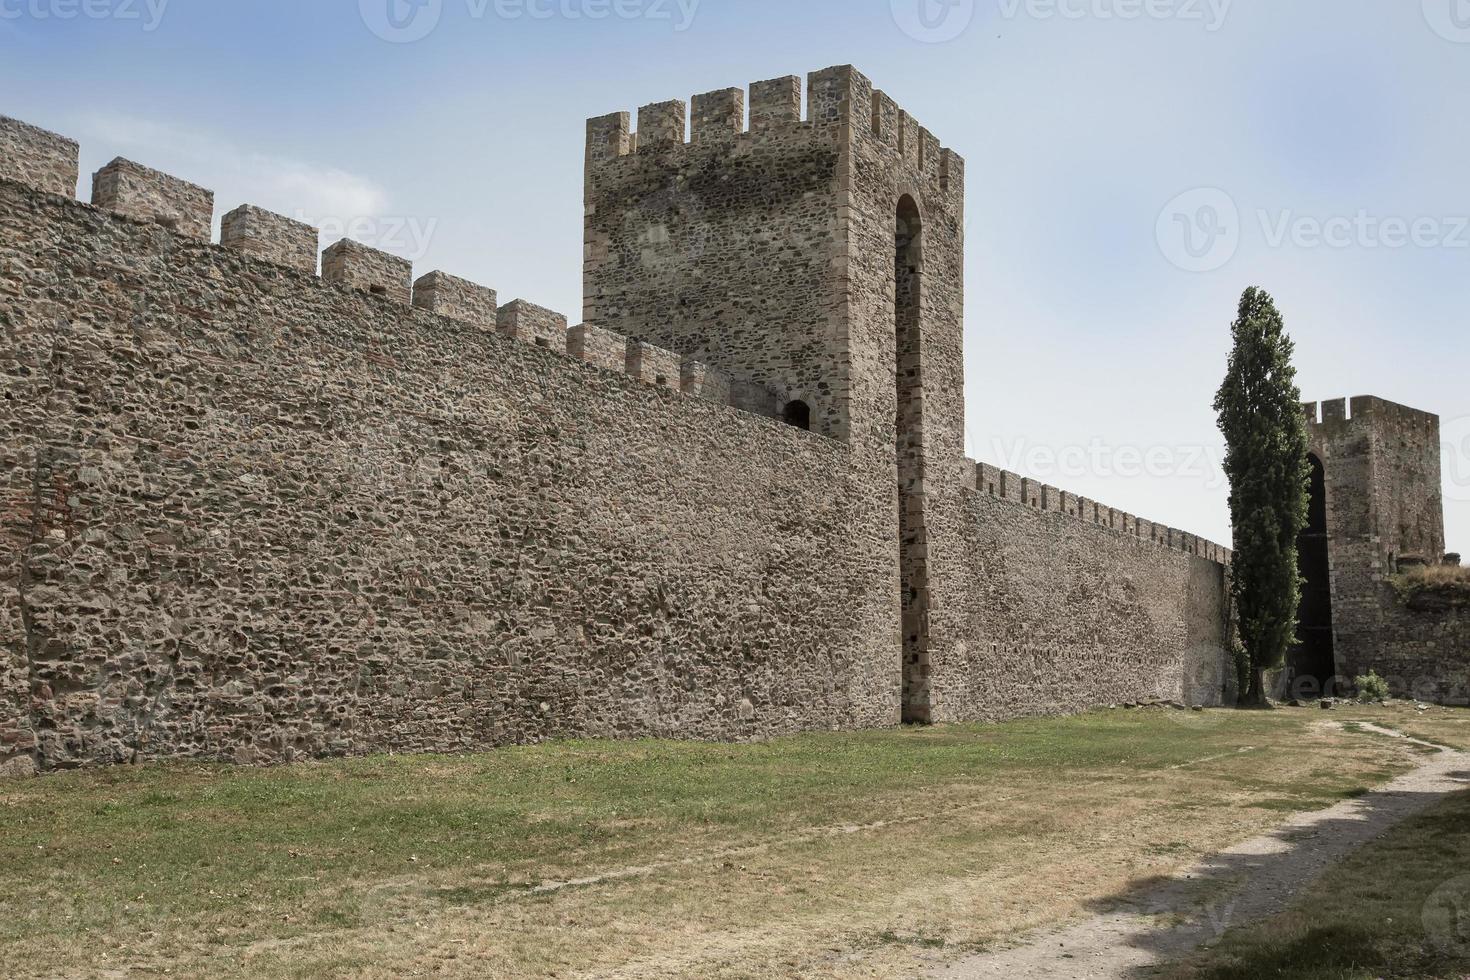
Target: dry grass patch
{"x": 831, "y": 856}
{"x": 1433, "y": 587}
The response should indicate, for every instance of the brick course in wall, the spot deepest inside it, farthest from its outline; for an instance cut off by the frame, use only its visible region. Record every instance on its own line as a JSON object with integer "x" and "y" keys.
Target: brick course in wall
{"x": 598, "y": 347}
{"x": 532, "y": 324}
{"x": 654, "y": 365}
{"x": 269, "y": 236}
{"x": 370, "y": 270}
{"x": 148, "y": 195}
{"x": 459, "y": 299}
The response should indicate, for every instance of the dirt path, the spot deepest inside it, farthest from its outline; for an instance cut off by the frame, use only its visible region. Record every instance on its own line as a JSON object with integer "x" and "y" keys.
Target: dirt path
{"x": 1244, "y": 884}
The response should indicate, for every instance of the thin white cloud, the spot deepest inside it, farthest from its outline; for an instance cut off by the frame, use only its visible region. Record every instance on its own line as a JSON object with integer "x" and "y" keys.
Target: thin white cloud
{"x": 297, "y": 188}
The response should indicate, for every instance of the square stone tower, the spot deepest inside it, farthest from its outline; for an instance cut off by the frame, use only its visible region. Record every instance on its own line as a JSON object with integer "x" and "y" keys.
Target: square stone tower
{"x": 1377, "y": 502}
{"x": 820, "y": 258}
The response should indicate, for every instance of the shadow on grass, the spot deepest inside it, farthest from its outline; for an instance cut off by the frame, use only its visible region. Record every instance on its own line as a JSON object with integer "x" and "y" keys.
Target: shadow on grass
{"x": 1366, "y": 922}
{"x": 1337, "y": 953}
{"x": 1325, "y": 952}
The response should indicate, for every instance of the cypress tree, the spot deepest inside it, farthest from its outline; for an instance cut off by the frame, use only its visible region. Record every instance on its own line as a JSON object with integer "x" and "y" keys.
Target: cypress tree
{"x": 1260, "y": 412}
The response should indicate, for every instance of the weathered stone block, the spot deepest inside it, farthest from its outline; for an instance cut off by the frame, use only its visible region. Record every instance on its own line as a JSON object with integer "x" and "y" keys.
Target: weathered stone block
{"x": 969, "y": 474}
{"x": 536, "y": 325}
{"x": 458, "y": 299}
{"x": 609, "y": 137}
{"x": 840, "y": 93}
{"x": 1012, "y": 486}
{"x": 1031, "y": 493}
{"x": 718, "y": 117}
{"x": 661, "y": 124}
{"x": 38, "y": 158}
{"x": 598, "y": 347}
{"x": 775, "y": 102}
{"x": 988, "y": 479}
{"x": 653, "y": 365}
{"x": 145, "y": 194}
{"x": 357, "y": 266}
{"x": 271, "y": 237}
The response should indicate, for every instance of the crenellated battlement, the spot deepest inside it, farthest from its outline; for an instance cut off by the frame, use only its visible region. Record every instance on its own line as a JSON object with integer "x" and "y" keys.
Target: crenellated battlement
{"x": 1338, "y": 412}
{"x": 1002, "y": 484}
{"x": 839, "y": 100}
{"x": 39, "y": 159}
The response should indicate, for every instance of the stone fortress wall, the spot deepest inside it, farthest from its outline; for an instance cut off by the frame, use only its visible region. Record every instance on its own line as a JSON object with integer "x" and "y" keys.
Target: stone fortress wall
{"x": 1384, "y": 501}
{"x": 254, "y": 514}
{"x": 821, "y": 261}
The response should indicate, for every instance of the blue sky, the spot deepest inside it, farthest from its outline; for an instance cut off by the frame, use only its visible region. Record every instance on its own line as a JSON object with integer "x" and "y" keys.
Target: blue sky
{"x": 1318, "y": 148}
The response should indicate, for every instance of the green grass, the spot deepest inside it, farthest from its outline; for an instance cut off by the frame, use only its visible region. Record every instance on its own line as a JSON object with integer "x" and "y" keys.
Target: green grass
{"x": 203, "y": 867}
{"x": 1365, "y": 919}
{"x": 1434, "y": 586}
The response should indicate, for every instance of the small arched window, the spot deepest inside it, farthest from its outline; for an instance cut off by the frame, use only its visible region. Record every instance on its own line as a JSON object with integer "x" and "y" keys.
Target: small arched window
{"x": 799, "y": 414}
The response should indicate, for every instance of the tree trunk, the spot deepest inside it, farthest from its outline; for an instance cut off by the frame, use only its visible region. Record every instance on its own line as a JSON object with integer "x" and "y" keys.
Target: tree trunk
{"x": 1255, "y": 697}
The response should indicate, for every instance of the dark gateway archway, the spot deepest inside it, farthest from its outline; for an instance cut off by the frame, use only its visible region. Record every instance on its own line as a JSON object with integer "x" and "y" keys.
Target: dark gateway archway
{"x": 1311, "y": 663}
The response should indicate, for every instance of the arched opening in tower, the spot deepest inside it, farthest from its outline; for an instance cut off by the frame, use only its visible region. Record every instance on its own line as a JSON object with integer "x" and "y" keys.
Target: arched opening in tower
{"x": 799, "y": 414}
{"x": 909, "y": 448}
{"x": 1312, "y": 661}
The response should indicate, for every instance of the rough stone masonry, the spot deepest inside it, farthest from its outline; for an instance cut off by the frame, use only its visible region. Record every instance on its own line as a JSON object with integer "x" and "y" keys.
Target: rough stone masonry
{"x": 1377, "y": 512}
{"x": 252, "y": 514}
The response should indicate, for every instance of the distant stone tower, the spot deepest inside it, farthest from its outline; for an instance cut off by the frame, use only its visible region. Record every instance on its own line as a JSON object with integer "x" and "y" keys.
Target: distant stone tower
{"x": 1377, "y": 503}
{"x": 819, "y": 263}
